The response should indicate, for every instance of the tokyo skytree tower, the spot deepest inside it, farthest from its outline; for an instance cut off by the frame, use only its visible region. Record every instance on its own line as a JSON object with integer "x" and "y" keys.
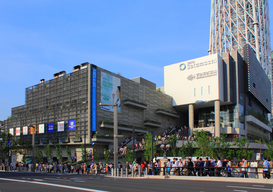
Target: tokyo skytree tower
{"x": 235, "y": 23}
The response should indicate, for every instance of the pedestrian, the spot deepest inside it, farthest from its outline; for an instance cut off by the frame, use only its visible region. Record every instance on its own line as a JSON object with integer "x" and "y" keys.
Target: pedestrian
{"x": 219, "y": 167}
{"x": 244, "y": 169}
{"x": 266, "y": 171}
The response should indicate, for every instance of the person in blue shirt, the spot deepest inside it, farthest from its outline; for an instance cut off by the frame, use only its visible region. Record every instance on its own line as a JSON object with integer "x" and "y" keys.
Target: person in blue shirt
{"x": 266, "y": 172}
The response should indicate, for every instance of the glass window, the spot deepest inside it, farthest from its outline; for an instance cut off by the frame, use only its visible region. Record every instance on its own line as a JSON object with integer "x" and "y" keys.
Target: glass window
{"x": 194, "y": 92}
{"x": 201, "y": 90}
{"x": 209, "y": 89}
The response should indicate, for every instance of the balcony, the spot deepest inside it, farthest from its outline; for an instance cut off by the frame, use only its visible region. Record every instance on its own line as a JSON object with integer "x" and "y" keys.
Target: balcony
{"x": 102, "y": 138}
{"x": 152, "y": 123}
{"x": 168, "y": 113}
{"x": 134, "y": 103}
{"x": 123, "y": 127}
{"x": 257, "y": 123}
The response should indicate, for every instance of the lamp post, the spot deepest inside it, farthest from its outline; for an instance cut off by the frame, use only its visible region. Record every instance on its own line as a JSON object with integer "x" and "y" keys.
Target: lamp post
{"x": 115, "y": 131}
{"x": 164, "y": 148}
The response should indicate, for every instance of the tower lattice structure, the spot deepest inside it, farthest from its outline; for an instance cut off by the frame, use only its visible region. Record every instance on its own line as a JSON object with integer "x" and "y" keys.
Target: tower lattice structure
{"x": 235, "y": 23}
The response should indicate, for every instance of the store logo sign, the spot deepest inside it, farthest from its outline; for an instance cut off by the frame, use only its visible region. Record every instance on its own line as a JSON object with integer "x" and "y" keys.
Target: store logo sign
{"x": 182, "y": 67}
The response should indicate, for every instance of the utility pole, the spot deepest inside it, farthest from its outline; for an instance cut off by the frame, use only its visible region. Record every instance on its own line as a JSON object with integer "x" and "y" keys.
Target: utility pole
{"x": 152, "y": 147}
{"x": 133, "y": 143}
{"x": 33, "y": 148}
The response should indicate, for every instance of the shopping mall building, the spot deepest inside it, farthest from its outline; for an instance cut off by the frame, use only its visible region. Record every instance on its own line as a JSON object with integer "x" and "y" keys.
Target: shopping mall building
{"x": 218, "y": 94}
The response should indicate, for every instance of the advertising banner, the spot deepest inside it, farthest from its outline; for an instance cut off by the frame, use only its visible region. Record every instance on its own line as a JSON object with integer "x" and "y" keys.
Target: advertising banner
{"x": 110, "y": 91}
{"x": 72, "y": 125}
{"x": 11, "y": 131}
{"x": 61, "y": 126}
{"x": 50, "y": 127}
{"x": 25, "y": 130}
{"x": 42, "y": 128}
{"x": 94, "y": 99}
{"x": 18, "y": 131}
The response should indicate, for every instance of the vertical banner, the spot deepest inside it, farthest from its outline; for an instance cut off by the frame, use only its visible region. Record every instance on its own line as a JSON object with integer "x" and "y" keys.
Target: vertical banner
{"x": 18, "y": 131}
{"x": 33, "y": 129}
{"x": 94, "y": 99}
{"x": 42, "y": 128}
{"x": 72, "y": 125}
{"x": 110, "y": 91}
{"x": 61, "y": 126}
{"x": 25, "y": 130}
{"x": 11, "y": 131}
{"x": 50, "y": 127}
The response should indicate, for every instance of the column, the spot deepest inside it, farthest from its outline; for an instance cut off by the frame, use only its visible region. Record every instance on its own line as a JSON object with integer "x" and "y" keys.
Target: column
{"x": 191, "y": 119}
{"x": 217, "y": 118}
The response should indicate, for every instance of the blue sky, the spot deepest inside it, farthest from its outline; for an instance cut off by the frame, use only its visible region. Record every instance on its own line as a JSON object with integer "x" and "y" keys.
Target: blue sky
{"x": 134, "y": 38}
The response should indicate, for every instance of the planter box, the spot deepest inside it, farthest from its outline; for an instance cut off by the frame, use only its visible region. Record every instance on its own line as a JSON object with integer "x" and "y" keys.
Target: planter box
{"x": 167, "y": 113}
{"x": 152, "y": 124}
{"x": 123, "y": 128}
{"x": 137, "y": 105}
{"x": 77, "y": 140}
{"x": 37, "y": 142}
{"x": 54, "y": 141}
{"x": 44, "y": 141}
{"x": 65, "y": 140}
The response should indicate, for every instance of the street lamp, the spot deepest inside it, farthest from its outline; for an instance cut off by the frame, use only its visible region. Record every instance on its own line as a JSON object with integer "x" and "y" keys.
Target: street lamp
{"x": 165, "y": 148}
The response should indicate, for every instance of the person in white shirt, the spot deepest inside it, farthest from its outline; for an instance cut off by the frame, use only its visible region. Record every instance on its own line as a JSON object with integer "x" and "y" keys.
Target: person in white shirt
{"x": 219, "y": 166}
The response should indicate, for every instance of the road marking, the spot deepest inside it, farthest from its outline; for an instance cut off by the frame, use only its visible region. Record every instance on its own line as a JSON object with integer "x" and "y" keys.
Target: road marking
{"x": 239, "y": 190}
{"x": 250, "y": 188}
{"x": 54, "y": 185}
{"x": 258, "y": 185}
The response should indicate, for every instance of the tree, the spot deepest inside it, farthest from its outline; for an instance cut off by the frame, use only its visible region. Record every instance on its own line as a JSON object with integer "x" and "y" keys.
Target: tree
{"x": 68, "y": 152}
{"x": 221, "y": 147}
{"x": 242, "y": 145}
{"x": 128, "y": 156}
{"x": 204, "y": 143}
{"x": 96, "y": 156}
{"x": 84, "y": 154}
{"x": 39, "y": 154}
{"x": 269, "y": 151}
{"x": 48, "y": 152}
{"x": 186, "y": 150}
{"x": 148, "y": 146}
{"x": 59, "y": 153}
{"x": 107, "y": 155}
{"x": 172, "y": 141}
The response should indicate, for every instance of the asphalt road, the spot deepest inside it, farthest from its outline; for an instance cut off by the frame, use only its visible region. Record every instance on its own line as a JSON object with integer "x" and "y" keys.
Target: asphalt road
{"x": 38, "y": 182}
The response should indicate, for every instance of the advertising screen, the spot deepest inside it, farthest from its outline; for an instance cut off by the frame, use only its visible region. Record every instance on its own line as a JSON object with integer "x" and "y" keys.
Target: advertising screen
{"x": 110, "y": 91}
{"x": 61, "y": 126}
{"x": 42, "y": 128}
{"x": 18, "y": 131}
{"x": 72, "y": 125}
{"x": 25, "y": 130}
{"x": 11, "y": 131}
{"x": 50, "y": 127}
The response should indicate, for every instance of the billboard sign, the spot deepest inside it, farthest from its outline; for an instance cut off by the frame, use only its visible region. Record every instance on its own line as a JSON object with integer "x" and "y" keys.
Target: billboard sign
{"x": 94, "y": 99}
{"x": 61, "y": 126}
{"x": 72, "y": 125}
{"x": 18, "y": 131}
{"x": 25, "y": 130}
{"x": 50, "y": 127}
{"x": 110, "y": 91}
{"x": 42, "y": 128}
{"x": 11, "y": 131}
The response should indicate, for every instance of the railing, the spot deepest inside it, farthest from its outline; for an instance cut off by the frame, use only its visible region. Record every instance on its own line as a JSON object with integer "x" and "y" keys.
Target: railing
{"x": 251, "y": 172}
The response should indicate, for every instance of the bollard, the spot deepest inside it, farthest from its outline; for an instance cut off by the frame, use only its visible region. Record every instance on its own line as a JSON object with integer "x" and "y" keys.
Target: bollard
{"x": 146, "y": 171}
{"x": 112, "y": 172}
{"x": 121, "y": 173}
{"x": 139, "y": 171}
{"x": 117, "y": 172}
{"x": 126, "y": 172}
{"x": 132, "y": 172}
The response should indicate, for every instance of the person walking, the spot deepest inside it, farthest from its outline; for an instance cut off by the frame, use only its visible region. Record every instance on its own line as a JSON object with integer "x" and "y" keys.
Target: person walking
{"x": 244, "y": 169}
{"x": 266, "y": 171}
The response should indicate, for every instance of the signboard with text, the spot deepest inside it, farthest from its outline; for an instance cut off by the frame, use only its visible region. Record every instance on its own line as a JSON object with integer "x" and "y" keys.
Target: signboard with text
{"x": 61, "y": 126}
{"x": 42, "y": 128}
{"x": 18, "y": 131}
{"x": 25, "y": 130}
{"x": 50, "y": 127}
{"x": 72, "y": 125}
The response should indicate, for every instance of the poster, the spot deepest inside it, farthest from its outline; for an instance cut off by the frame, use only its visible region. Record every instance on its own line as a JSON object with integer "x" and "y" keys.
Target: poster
{"x": 18, "y": 131}
{"x": 25, "y": 130}
{"x": 11, "y": 131}
{"x": 50, "y": 127}
{"x": 110, "y": 91}
{"x": 42, "y": 128}
{"x": 72, "y": 125}
{"x": 61, "y": 126}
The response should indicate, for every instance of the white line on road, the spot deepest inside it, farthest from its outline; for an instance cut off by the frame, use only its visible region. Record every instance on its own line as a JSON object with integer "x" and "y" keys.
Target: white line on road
{"x": 258, "y": 185}
{"x": 239, "y": 190}
{"x": 54, "y": 185}
{"x": 250, "y": 188}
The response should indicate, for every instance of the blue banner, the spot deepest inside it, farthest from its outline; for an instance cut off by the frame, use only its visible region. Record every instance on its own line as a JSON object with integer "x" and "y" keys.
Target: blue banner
{"x": 94, "y": 99}
{"x": 72, "y": 125}
{"x": 50, "y": 127}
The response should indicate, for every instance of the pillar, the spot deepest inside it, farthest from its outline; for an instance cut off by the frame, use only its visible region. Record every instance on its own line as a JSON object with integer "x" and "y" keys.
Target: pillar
{"x": 217, "y": 118}
{"x": 191, "y": 119}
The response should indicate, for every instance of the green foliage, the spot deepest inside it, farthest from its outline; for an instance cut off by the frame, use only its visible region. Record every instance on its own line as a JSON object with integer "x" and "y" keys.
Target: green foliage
{"x": 186, "y": 150}
{"x": 68, "y": 152}
{"x": 84, "y": 154}
{"x": 230, "y": 153}
{"x": 259, "y": 116}
{"x": 172, "y": 141}
{"x": 39, "y": 155}
{"x": 148, "y": 146}
{"x": 9, "y": 117}
{"x": 204, "y": 143}
{"x": 107, "y": 156}
{"x": 59, "y": 153}
{"x": 269, "y": 151}
{"x": 96, "y": 156}
{"x": 221, "y": 147}
{"x": 77, "y": 136}
{"x": 48, "y": 152}
{"x": 242, "y": 151}
{"x": 128, "y": 156}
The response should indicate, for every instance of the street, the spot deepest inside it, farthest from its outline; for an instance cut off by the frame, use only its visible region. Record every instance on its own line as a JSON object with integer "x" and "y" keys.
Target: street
{"x": 43, "y": 182}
